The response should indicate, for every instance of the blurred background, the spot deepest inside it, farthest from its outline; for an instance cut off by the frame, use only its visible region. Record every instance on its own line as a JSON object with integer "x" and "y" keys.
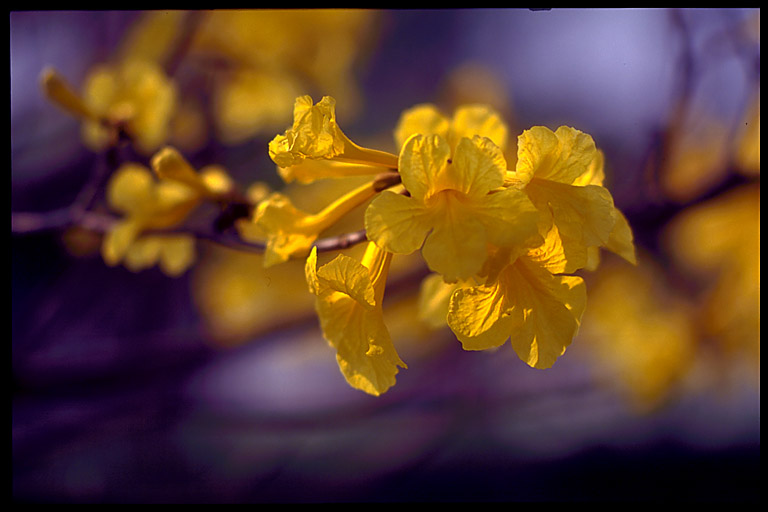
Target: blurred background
{"x": 216, "y": 386}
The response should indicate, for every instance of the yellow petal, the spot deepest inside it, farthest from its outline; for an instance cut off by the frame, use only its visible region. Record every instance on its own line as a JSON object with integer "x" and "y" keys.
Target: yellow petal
{"x": 556, "y": 258}
{"x": 474, "y": 311}
{"x": 397, "y": 223}
{"x": 456, "y": 247}
{"x": 509, "y": 217}
{"x": 143, "y": 253}
{"x": 593, "y": 259}
{"x": 583, "y": 215}
{"x": 540, "y": 312}
{"x": 346, "y": 275}
{"x": 496, "y": 335}
{"x": 364, "y": 349}
{"x": 177, "y": 254}
{"x": 172, "y": 203}
{"x": 152, "y": 36}
{"x": 101, "y": 89}
{"x": 130, "y": 189}
{"x": 310, "y": 170}
{"x": 61, "y": 93}
{"x": 423, "y": 159}
{"x": 562, "y": 156}
{"x": 471, "y": 120}
{"x": 170, "y": 165}
{"x": 216, "y": 180}
{"x": 478, "y": 167}
{"x": 310, "y": 272}
{"x": 621, "y": 240}
{"x": 425, "y": 119}
{"x": 154, "y": 100}
{"x": 118, "y": 240}
{"x": 287, "y": 229}
{"x": 434, "y": 300}
{"x": 552, "y": 309}
{"x": 351, "y": 324}
{"x": 595, "y": 174}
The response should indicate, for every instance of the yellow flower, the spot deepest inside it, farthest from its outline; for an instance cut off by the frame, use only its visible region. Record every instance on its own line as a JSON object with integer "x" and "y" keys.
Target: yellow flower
{"x": 290, "y": 232}
{"x": 135, "y": 93}
{"x": 467, "y": 121}
{"x": 717, "y": 244}
{"x": 561, "y": 172}
{"x": 455, "y": 208}
{"x": 148, "y": 204}
{"x": 211, "y": 182}
{"x": 63, "y": 95}
{"x": 174, "y": 254}
{"x": 316, "y": 135}
{"x": 251, "y": 100}
{"x": 349, "y": 306}
{"x": 696, "y": 157}
{"x": 238, "y": 299}
{"x": 639, "y": 333}
{"x": 521, "y": 300}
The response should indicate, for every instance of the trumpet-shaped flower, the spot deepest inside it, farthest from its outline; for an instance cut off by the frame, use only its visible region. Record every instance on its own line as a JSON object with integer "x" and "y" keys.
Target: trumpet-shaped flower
{"x": 456, "y": 206}
{"x": 316, "y": 135}
{"x": 349, "y": 305}
{"x": 290, "y": 232}
{"x": 522, "y": 301}
{"x": 561, "y": 172}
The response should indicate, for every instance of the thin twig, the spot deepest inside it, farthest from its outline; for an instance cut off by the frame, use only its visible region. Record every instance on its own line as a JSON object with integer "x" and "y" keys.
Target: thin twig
{"x": 24, "y": 223}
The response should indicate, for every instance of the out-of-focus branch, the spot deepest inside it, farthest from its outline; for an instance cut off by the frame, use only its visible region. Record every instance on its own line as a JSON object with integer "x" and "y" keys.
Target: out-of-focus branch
{"x": 34, "y": 222}
{"x": 190, "y": 24}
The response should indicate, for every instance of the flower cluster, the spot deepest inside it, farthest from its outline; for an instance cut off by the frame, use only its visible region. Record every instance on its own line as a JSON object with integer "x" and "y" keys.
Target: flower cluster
{"x": 502, "y": 241}
{"x": 160, "y": 202}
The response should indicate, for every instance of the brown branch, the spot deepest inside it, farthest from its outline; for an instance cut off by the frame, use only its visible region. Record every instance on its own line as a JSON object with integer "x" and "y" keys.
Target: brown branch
{"x": 191, "y": 23}
{"x": 24, "y": 223}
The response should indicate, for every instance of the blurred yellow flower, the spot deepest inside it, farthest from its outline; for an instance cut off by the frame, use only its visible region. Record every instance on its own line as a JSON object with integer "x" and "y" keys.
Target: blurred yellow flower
{"x": 747, "y": 155}
{"x": 697, "y": 157}
{"x": 146, "y": 205}
{"x": 717, "y": 244}
{"x": 467, "y": 121}
{"x": 349, "y": 306}
{"x": 211, "y": 181}
{"x": 639, "y": 333}
{"x": 251, "y": 100}
{"x": 155, "y": 204}
{"x": 238, "y": 298}
{"x": 272, "y": 54}
{"x": 135, "y": 94}
{"x": 456, "y": 206}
